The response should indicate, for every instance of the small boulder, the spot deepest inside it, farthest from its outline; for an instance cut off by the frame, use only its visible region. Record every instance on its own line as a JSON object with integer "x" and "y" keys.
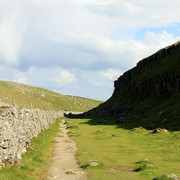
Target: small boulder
{"x": 149, "y": 165}
{"x": 145, "y": 160}
{"x": 159, "y": 130}
{"x": 93, "y": 164}
{"x": 170, "y": 176}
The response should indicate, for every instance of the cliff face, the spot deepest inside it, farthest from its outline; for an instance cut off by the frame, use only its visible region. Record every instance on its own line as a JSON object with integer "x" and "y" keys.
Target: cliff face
{"x": 147, "y": 95}
{"x": 155, "y": 75}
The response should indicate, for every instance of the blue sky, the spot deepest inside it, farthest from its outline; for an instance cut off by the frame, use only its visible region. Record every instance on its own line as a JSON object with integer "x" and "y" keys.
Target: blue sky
{"x": 80, "y": 47}
{"x": 172, "y": 28}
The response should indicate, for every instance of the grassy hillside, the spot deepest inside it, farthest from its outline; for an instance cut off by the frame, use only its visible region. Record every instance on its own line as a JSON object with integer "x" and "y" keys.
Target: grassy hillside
{"x": 42, "y": 98}
{"x": 147, "y": 111}
{"x": 169, "y": 64}
{"x": 149, "y": 94}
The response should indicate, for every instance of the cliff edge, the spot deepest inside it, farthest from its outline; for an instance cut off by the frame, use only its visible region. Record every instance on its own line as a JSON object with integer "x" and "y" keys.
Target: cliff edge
{"x": 154, "y": 75}
{"x": 148, "y": 95}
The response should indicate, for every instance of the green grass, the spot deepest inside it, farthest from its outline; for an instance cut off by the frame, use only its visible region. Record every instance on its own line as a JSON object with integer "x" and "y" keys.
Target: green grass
{"x": 42, "y": 98}
{"x": 121, "y": 151}
{"x": 72, "y": 127}
{"x": 34, "y": 162}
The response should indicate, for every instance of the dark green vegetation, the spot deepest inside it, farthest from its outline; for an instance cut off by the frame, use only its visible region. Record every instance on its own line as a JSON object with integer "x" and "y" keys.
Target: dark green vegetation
{"x": 124, "y": 153}
{"x": 35, "y": 161}
{"x": 42, "y": 98}
{"x": 147, "y": 95}
{"x": 169, "y": 64}
{"x": 148, "y": 111}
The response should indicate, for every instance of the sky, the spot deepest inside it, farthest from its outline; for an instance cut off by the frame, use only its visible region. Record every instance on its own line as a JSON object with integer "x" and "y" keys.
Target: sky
{"x": 80, "y": 47}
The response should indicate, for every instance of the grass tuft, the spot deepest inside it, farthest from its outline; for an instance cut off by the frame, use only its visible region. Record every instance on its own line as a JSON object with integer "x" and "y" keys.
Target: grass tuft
{"x": 72, "y": 127}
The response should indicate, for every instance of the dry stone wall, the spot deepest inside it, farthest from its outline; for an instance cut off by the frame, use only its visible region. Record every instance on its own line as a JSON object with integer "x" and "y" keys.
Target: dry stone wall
{"x": 18, "y": 127}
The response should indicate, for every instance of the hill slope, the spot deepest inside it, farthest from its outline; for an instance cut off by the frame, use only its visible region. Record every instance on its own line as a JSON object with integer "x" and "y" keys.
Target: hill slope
{"x": 42, "y": 98}
{"x": 149, "y": 94}
{"x": 155, "y": 75}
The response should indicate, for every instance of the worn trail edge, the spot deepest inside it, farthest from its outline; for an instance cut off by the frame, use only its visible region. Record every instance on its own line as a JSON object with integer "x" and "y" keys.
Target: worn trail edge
{"x": 64, "y": 165}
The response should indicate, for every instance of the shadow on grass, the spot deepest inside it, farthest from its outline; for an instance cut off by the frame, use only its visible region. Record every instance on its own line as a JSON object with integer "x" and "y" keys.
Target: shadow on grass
{"x": 128, "y": 123}
{"x": 129, "y": 111}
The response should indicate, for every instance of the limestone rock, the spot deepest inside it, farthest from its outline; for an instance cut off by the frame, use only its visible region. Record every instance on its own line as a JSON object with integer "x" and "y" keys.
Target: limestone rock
{"x": 17, "y": 128}
{"x": 149, "y": 165}
{"x": 171, "y": 176}
{"x": 155, "y": 85}
{"x": 159, "y": 130}
{"x": 93, "y": 164}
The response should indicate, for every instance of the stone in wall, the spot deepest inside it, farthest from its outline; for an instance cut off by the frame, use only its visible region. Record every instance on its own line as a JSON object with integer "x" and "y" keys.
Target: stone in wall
{"x": 18, "y": 127}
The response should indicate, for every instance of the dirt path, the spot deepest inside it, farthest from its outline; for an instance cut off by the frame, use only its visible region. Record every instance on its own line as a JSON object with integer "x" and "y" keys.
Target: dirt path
{"x": 64, "y": 165}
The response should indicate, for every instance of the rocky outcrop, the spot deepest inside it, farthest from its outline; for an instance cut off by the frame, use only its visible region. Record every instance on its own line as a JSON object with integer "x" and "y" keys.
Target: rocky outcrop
{"x": 156, "y": 75}
{"x": 133, "y": 81}
{"x": 18, "y": 127}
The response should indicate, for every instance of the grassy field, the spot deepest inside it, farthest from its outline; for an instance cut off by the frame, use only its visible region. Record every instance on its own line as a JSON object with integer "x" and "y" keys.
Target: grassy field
{"x": 122, "y": 153}
{"x": 42, "y": 98}
{"x": 34, "y": 162}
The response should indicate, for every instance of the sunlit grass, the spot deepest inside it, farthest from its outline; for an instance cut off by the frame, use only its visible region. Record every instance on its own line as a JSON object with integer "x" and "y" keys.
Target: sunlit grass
{"x": 24, "y": 95}
{"x": 122, "y": 151}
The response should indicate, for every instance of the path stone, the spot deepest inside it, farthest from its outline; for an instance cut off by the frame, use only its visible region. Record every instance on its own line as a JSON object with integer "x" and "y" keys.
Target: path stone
{"x": 64, "y": 165}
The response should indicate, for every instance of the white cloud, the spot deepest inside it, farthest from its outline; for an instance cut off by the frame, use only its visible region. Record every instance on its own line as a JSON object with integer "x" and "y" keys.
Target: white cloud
{"x": 116, "y": 52}
{"x": 53, "y": 76}
{"x": 111, "y": 74}
{"x": 65, "y": 78}
{"x": 66, "y": 30}
{"x": 12, "y": 30}
{"x": 160, "y": 39}
{"x": 133, "y": 9}
{"x": 138, "y": 13}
